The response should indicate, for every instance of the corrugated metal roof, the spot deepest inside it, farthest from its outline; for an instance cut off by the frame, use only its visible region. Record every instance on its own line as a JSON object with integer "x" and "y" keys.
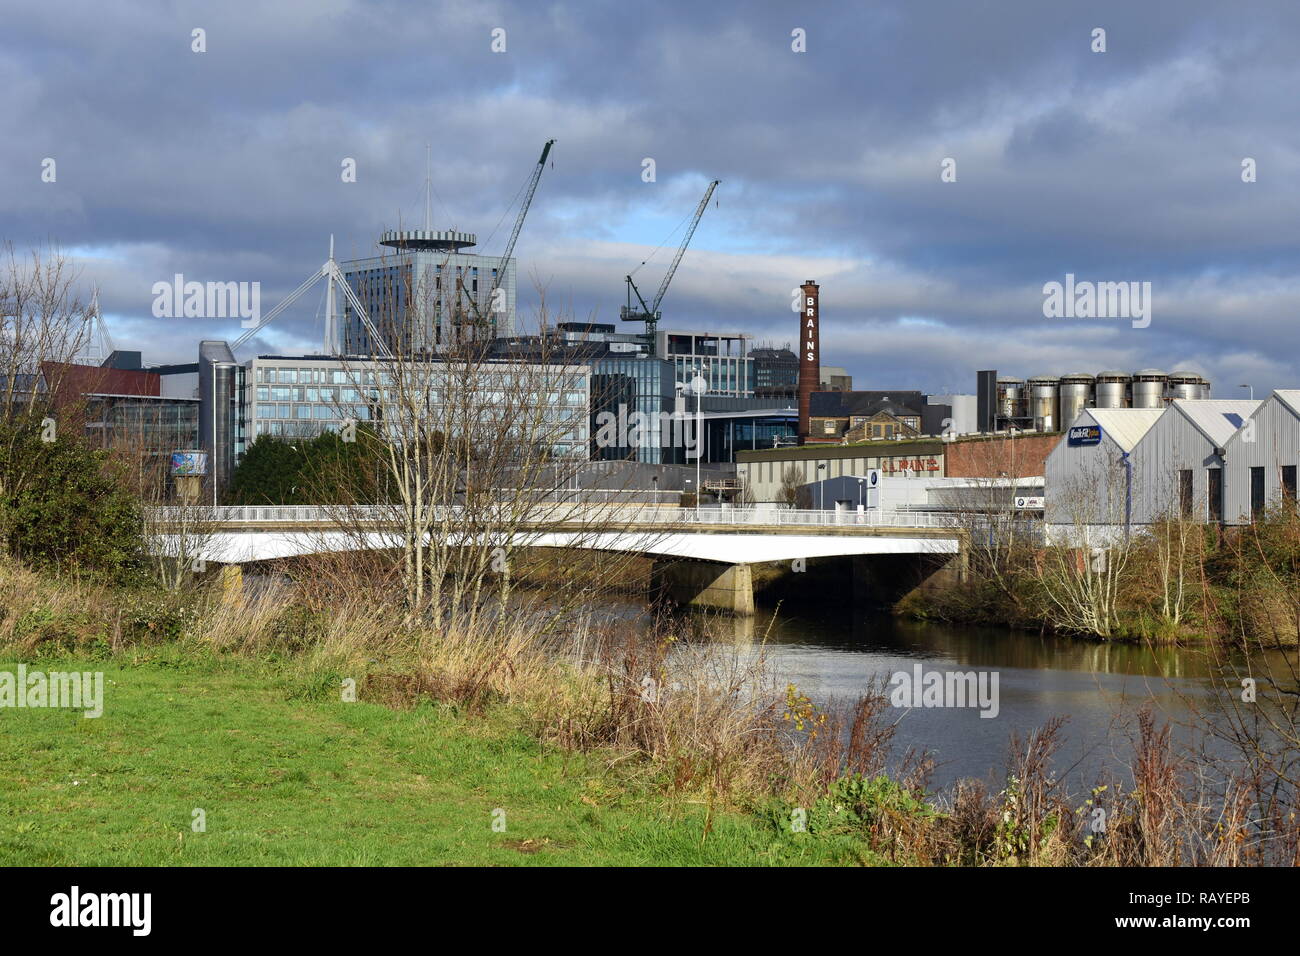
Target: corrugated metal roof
{"x": 1125, "y": 426}
{"x": 1217, "y": 418}
{"x": 1290, "y": 397}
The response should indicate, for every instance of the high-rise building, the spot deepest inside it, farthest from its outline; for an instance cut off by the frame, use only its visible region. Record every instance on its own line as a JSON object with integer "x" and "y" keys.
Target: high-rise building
{"x": 776, "y": 373}
{"x": 428, "y": 293}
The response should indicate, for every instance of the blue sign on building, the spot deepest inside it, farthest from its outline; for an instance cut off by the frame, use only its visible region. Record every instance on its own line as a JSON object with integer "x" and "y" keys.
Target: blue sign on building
{"x": 1084, "y": 435}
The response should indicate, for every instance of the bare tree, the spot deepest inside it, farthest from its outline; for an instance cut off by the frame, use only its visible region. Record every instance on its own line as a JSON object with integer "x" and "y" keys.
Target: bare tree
{"x": 1083, "y": 569}
{"x": 791, "y": 481}
{"x": 479, "y": 456}
{"x": 43, "y": 326}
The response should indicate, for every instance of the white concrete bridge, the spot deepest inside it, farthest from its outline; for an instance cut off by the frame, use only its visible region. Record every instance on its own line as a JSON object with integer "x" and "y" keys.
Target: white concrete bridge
{"x": 707, "y": 552}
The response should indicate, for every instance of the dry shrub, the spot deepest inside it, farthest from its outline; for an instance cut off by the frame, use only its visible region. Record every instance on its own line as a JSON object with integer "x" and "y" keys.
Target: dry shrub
{"x": 701, "y": 715}
{"x": 1270, "y": 612}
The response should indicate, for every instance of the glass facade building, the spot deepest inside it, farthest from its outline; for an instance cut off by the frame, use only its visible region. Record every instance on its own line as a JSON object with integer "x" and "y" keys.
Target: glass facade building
{"x": 720, "y": 358}
{"x": 621, "y": 385}
{"x": 300, "y": 397}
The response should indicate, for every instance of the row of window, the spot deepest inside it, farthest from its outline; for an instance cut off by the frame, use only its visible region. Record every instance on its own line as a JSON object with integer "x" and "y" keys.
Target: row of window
{"x": 359, "y": 377}
{"x": 1214, "y": 490}
{"x": 570, "y": 443}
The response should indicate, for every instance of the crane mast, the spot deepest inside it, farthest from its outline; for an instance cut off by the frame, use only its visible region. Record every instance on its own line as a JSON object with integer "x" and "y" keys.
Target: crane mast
{"x": 649, "y": 314}
{"x": 519, "y": 225}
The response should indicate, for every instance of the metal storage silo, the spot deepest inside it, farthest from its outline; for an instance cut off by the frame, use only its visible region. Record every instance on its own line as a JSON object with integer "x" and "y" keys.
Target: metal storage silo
{"x": 1076, "y": 395}
{"x": 1045, "y": 402}
{"x": 1111, "y": 390}
{"x": 1011, "y": 398}
{"x": 1149, "y": 388}
{"x": 1205, "y": 387}
{"x": 1184, "y": 385}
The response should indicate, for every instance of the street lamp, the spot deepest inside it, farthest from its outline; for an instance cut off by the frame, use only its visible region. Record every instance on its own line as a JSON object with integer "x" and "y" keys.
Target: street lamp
{"x": 1252, "y": 390}
{"x": 699, "y": 386}
{"x": 821, "y": 489}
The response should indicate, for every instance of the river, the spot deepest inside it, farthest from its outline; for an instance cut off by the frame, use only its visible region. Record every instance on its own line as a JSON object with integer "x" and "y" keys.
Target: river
{"x": 832, "y": 657}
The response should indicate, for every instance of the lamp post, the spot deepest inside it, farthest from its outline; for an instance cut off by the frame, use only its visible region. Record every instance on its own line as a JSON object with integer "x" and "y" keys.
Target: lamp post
{"x": 698, "y": 386}
{"x": 1252, "y": 390}
{"x": 821, "y": 489}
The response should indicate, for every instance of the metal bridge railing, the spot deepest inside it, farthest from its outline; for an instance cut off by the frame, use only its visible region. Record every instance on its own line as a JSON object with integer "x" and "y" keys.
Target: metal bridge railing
{"x": 657, "y": 515}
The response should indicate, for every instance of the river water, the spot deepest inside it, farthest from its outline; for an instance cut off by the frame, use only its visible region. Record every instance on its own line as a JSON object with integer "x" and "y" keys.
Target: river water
{"x": 833, "y": 657}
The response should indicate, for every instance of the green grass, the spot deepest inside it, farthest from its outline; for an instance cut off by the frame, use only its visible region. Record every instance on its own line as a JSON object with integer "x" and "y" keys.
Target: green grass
{"x": 290, "y": 781}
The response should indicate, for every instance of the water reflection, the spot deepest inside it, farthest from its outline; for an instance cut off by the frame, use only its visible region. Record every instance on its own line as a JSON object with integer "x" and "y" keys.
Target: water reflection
{"x": 834, "y": 656}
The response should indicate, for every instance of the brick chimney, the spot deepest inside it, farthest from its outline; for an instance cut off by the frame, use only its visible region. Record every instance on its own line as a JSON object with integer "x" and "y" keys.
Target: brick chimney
{"x": 810, "y": 363}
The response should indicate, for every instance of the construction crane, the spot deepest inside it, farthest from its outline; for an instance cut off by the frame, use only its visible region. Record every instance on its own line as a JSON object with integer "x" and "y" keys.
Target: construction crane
{"x": 514, "y": 234}
{"x": 649, "y": 314}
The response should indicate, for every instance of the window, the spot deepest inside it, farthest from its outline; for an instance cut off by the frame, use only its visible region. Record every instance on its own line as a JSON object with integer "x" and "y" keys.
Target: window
{"x": 1256, "y": 491}
{"x": 1288, "y": 483}
{"x": 828, "y": 427}
{"x": 1185, "y": 492}
{"x": 1214, "y": 489}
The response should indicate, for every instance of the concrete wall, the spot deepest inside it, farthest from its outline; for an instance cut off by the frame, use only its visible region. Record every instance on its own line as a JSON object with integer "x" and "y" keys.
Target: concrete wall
{"x": 762, "y": 470}
{"x": 724, "y": 587}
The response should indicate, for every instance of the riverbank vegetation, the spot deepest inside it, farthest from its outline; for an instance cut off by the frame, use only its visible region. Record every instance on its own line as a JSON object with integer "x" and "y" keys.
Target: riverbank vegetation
{"x": 1173, "y": 582}
{"x": 601, "y": 742}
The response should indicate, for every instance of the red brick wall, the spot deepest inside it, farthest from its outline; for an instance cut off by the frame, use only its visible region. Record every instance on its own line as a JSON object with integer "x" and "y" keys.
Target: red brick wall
{"x": 1020, "y": 457}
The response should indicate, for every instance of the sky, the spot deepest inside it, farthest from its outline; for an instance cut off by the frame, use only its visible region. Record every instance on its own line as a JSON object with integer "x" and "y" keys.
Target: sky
{"x": 830, "y": 127}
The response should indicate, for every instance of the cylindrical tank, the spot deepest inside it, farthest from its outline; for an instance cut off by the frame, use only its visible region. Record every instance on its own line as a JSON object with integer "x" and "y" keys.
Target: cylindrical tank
{"x": 1184, "y": 385}
{"x": 1076, "y": 395}
{"x": 1205, "y": 387}
{"x": 1149, "y": 388}
{"x": 1111, "y": 390}
{"x": 1045, "y": 402}
{"x": 1011, "y": 398}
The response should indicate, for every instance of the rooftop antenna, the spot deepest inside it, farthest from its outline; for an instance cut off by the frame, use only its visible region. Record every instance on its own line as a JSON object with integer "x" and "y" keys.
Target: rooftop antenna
{"x": 428, "y": 189}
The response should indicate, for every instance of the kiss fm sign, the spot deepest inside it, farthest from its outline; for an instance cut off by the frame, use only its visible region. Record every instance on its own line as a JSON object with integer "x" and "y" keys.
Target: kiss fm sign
{"x": 1084, "y": 435}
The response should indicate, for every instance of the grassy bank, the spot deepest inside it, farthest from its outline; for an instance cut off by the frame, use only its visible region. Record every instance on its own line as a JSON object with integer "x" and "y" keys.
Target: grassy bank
{"x": 600, "y": 747}
{"x": 289, "y": 781}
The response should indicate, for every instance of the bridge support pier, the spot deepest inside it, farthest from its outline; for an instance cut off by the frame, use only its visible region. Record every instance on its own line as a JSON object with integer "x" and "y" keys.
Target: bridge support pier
{"x": 726, "y": 587}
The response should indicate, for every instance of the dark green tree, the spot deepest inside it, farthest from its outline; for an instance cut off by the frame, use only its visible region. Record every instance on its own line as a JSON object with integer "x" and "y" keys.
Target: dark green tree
{"x": 66, "y": 506}
{"x": 269, "y": 474}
